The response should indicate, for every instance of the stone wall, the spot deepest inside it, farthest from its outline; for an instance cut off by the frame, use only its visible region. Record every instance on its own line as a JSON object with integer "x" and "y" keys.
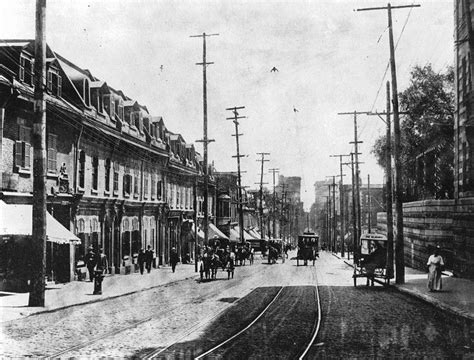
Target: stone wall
{"x": 443, "y": 223}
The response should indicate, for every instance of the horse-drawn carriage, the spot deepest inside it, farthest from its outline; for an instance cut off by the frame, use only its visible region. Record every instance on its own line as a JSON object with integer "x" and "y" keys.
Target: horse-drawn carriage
{"x": 308, "y": 247}
{"x": 370, "y": 260}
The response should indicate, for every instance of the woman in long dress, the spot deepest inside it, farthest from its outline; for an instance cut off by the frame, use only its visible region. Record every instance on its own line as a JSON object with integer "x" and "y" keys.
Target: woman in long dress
{"x": 435, "y": 262}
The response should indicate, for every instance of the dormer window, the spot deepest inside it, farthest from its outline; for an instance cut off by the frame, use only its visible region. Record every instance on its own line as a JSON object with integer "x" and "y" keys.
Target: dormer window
{"x": 119, "y": 109}
{"x": 86, "y": 93}
{"x": 109, "y": 106}
{"x": 54, "y": 82}
{"x": 136, "y": 120}
{"x": 97, "y": 100}
{"x": 26, "y": 70}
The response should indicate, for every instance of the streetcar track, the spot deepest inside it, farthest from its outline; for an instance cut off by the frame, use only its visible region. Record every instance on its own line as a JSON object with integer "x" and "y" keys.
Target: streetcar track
{"x": 244, "y": 329}
{"x": 318, "y": 323}
{"x": 315, "y": 330}
{"x": 190, "y": 330}
{"x": 94, "y": 340}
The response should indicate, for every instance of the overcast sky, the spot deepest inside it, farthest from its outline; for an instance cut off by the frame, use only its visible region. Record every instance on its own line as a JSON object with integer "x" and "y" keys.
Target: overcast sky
{"x": 330, "y": 59}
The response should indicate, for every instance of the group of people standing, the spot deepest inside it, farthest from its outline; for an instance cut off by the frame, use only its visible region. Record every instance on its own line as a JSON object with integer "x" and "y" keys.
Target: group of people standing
{"x": 97, "y": 262}
{"x": 145, "y": 259}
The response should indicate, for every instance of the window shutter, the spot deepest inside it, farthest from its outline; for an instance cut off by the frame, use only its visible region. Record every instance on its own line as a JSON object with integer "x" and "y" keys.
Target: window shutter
{"x": 50, "y": 81}
{"x": 60, "y": 86}
{"x": 19, "y": 153}
{"x": 27, "y": 156}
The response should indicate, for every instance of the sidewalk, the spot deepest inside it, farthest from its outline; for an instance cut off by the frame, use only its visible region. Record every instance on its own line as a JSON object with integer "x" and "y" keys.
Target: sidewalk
{"x": 15, "y": 305}
{"x": 457, "y": 296}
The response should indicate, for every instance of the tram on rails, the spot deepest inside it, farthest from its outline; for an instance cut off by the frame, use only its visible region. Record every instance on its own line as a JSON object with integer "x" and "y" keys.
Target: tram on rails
{"x": 308, "y": 248}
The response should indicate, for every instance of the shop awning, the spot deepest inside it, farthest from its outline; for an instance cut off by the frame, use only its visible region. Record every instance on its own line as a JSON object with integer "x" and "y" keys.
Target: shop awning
{"x": 17, "y": 219}
{"x": 214, "y": 231}
{"x": 235, "y": 234}
{"x": 200, "y": 233}
{"x": 255, "y": 234}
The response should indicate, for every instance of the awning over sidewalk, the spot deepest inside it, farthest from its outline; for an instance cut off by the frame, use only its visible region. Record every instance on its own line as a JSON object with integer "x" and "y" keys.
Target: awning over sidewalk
{"x": 214, "y": 231}
{"x": 17, "y": 219}
{"x": 255, "y": 234}
{"x": 200, "y": 233}
{"x": 235, "y": 235}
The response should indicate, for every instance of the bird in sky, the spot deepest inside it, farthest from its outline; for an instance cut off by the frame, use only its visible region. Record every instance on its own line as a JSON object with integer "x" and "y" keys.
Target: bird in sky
{"x": 161, "y": 67}
{"x": 295, "y": 109}
{"x": 274, "y": 69}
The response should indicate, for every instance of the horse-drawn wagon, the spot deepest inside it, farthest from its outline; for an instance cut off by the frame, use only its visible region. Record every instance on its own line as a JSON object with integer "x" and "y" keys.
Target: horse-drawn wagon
{"x": 370, "y": 260}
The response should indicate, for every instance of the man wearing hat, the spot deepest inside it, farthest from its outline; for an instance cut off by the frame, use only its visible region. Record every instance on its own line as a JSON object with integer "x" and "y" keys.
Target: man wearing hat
{"x": 91, "y": 262}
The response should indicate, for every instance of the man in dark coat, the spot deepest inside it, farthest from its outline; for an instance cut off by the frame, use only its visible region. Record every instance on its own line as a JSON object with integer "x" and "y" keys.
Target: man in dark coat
{"x": 91, "y": 262}
{"x": 174, "y": 259}
{"x": 141, "y": 260}
{"x": 102, "y": 263}
{"x": 148, "y": 258}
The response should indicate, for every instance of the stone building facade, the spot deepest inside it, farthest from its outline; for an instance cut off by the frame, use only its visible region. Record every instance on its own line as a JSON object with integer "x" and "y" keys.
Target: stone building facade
{"x": 117, "y": 177}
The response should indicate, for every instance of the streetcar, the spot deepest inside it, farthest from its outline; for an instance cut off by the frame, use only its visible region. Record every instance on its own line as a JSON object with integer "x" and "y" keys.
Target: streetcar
{"x": 370, "y": 260}
{"x": 308, "y": 247}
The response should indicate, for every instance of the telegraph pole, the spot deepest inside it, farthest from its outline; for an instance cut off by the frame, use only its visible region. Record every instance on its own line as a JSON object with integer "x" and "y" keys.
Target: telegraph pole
{"x": 328, "y": 231}
{"x": 357, "y": 174}
{"x": 262, "y": 224}
{"x": 388, "y": 180}
{"x": 368, "y": 203}
{"x": 38, "y": 259}
{"x": 334, "y": 217}
{"x": 274, "y": 171}
{"x": 205, "y": 140}
{"x": 399, "y": 243}
{"x": 239, "y": 178}
{"x": 355, "y": 240}
{"x": 283, "y": 203}
{"x": 341, "y": 192}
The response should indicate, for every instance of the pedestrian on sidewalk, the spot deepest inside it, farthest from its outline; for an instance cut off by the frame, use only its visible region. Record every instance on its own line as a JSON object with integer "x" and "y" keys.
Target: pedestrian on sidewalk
{"x": 148, "y": 258}
{"x": 91, "y": 262}
{"x": 103, "y": 263}
{"x": 230, "y": 265}
{"x": 141, "y": 260}
{"x": 174, "y": 259}
{"x": 435, "y": 266}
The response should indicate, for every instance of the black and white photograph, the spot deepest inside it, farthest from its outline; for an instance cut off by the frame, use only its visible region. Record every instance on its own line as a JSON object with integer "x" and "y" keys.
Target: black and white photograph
{"x": 236, "y": 179}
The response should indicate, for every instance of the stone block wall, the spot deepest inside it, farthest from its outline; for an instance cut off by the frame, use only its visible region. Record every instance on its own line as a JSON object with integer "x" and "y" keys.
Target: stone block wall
{"x": 430, "y": 223}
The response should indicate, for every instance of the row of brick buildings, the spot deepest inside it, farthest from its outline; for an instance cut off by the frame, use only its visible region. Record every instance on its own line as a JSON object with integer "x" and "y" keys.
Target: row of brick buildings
{"x": 117, "y": 176}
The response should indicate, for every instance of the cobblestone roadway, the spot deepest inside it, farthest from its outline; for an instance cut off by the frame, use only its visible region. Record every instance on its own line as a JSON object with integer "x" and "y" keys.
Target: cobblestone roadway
{"x": 376, "y": 322}
{"x": 357, "y": 322}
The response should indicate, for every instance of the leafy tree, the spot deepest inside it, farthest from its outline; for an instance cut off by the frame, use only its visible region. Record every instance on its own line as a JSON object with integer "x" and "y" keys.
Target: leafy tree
{"x": 426, "y": 134}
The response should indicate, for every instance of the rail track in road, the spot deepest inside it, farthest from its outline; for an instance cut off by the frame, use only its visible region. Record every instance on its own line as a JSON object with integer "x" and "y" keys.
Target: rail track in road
{"x": 84, "y": 344}
{"x": 283, "y": 313}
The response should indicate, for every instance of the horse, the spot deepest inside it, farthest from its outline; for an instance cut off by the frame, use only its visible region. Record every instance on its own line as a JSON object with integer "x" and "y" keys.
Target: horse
{"x": 214, "y": 265}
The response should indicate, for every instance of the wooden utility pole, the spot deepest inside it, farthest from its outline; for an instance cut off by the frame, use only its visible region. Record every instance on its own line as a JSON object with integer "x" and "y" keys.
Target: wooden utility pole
{"x": 328, "y": 231}
{"x": 274, "y": 171}
{"x": 399, "y": 243}
{"x": 205, "y": 140}
{"x": 355, "y": 239}
{"x": 357, "y": 174}
{"x": 388, "y": 175}
{"x": 235, "y": 119}
{"x": 341, "y": 195}
{"x": 38, "y": 258}
{"x": 388, "y": 181}
{"x": 262, "y": 224}
{"x": 368, "y": 204}
{"x": 283, "y": 203}
{"x": 334, "y": 215}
